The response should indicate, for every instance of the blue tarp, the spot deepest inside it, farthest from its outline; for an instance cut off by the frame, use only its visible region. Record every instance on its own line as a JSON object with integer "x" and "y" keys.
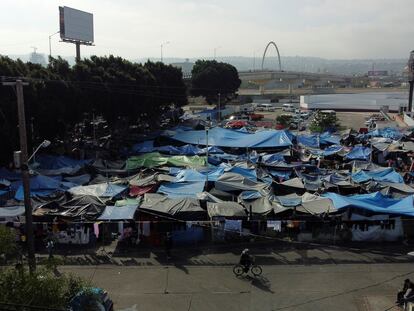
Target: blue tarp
{"x": 328, "y": 151}
{"x": 246, "y": 172}
{"x": 118, "y": 212}
{"x": 273, "y": 158}
{"x": 308, "y": 140}
{"x": 182, "y": 189}
{"x": 228, "y": 138}
{"x": 99, "y": 190}
{"x": 51, "y": 162}
{"x": 193, "y": 175}
{"x": 327, "y": 138}
{"x": 9, "y": 175}
{"x": 39, "y": 186}
{"x": 285, "y": 175}
{"x": 374, "y": 202}
{"x": 388, "y": 175}
{"x": 144, "y": 147}
{"x": 250, "y": 195}
{"x": 359, "y": 153}
{"x": 387, "y": 132}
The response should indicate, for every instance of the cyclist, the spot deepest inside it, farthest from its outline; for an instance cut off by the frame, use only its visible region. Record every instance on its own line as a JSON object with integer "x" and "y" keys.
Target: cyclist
{"x": 246, "y": 260}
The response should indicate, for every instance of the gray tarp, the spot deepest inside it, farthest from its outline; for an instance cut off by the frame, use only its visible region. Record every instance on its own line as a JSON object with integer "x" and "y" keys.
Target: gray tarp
{"x": 226, "y": 209}
{"x": 11, "y": 211}
{"x": 154, "y": 202}
{"x": 314, "y": 204}
{"x": 262, "y": 206}
{"x": 237, "y": 182}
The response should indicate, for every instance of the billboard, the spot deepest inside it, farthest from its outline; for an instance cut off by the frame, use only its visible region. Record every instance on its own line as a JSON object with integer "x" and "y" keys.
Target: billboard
{"x": 75, "y": 25}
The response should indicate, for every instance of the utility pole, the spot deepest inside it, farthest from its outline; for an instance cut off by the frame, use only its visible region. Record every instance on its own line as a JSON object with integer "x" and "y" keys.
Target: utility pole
{"x": 25, "y": 172}
{"x": 78, "y": 56}
{"x": 219, "y": 108}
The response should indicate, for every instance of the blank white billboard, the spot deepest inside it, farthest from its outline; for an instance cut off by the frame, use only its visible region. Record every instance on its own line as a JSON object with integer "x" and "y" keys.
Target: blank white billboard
{"x": 75, "y": 25}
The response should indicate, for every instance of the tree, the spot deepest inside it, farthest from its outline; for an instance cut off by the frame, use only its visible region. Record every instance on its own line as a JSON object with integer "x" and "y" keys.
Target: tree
{"x": 8, "y": 244}
{"x": 284, "y": 120}
{"x": 209, "y": 78}
{"x": 323, "y": 122}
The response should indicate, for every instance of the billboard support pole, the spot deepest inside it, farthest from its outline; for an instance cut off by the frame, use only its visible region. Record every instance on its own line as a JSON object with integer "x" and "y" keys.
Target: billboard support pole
{"x": 78, "y": 51}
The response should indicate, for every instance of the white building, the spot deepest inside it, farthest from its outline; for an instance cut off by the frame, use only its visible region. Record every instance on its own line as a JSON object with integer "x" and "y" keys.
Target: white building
{"x": 373, "y": 101}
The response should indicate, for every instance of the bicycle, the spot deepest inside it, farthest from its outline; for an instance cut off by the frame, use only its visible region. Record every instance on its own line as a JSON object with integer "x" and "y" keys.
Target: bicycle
{"x": 239, "y": 270}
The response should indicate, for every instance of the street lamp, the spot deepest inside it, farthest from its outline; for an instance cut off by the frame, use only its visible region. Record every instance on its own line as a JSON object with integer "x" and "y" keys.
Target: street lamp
{"x": 411, "y": 81}
{"x": 162, "y": 45}
{"x": 44, "y": 144}
{"x": 215, "y": 51}
{"x": 207, "y": 127}
{"x": 50, "y": 42}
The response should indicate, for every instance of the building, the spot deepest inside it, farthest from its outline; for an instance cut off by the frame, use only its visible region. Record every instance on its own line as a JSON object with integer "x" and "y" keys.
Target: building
{"x": 374, "y": 101}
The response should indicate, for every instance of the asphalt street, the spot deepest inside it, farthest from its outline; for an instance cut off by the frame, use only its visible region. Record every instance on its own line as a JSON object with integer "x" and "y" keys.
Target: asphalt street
{"x": 318, "y": 278}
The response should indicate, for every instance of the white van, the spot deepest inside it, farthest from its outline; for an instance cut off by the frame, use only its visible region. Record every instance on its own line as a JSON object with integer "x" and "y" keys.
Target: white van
{"x": 288, "y": 108}
{"x": 266, "y": 107}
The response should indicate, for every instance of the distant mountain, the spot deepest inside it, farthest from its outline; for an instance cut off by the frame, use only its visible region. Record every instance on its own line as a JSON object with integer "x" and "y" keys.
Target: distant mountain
{"x": 289, "y": 63}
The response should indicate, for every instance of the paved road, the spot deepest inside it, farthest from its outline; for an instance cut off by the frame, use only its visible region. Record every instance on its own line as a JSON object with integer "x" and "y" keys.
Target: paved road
{"x": 320, "y": 278}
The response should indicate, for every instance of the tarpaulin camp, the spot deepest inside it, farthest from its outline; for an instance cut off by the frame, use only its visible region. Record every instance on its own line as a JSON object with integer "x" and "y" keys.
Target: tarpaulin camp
{"x": 228, "y": 138}
{"x": 387, "y": 174}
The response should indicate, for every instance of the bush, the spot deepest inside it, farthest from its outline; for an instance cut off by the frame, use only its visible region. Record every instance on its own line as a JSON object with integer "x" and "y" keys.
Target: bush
{"x": 41, "y": 289}
{"x": 284, "y": 120}
{"x": 8, "y": 244}
{"x": 322, "y": 122}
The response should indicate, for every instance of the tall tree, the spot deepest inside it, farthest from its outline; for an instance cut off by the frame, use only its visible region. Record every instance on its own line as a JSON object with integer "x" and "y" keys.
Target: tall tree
{"x": 209, "y": 78}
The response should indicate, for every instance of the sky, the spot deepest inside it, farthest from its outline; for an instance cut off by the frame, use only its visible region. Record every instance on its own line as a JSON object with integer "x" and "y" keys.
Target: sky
{"x": 333, "y": 29}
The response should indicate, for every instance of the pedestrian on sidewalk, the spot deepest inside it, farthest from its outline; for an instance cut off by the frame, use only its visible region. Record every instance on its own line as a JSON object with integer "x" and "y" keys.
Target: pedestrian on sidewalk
{"x": 50, "y": 246}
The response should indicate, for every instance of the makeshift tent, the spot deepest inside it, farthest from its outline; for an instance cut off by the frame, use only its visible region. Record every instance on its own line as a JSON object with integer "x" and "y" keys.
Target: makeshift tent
{"x": 182, "y": 189}
{"x": 327, "y": 138}
{"x": 237, "y": 182}
{"x": 373, "y": 202}
{"x": 228, "y": 138}
{"x": 156, "y": 159}
{"x": 11, "y": 211}
{"x": 98, "y": 190}
{"x": 225, "y": 209}
{"x": 144, "y": 147}
{"x": 154, "y": 203}
{"x": 328, "y": 151}
{"x": 359, "y": 153}
{"x": 51, "y": 162}
{"x": 39, "y": 186}
{"x": 193, "y": 175}
{"x": 289, "y": 200}
{"x": 261, "y": 206}
{"x": 106, "y": 167}
{"x": 387, "y": 132}
{"x": 118, "y": 212}
{"x": 294, "y": 185}
{"x": 308, "y": 140}
{"x": 316, "y": 205}
{"x": 9, "y": 175}
{"x": 79, "y": 180}
{"x": 388, "y": 175}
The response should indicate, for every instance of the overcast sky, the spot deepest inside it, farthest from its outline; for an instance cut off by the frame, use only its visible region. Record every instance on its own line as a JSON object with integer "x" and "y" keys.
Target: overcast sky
{"x": 335, "y": 29}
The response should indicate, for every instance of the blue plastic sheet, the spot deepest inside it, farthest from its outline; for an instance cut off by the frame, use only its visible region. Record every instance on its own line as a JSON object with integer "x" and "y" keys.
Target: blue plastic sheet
{"x": 193, "y": 175}
{"x": 250, "y": 195}
{"x": 285, "y": 175}
{"x": 388, "y": 175}
{"x": 118, "y": 212}
{"x": 359, "y": 153}
{"x": 246, "y": 172}
{"x": 272, "y": 158}
{"x": 327, "y": 138}
{"x": 51, "y": 162}
{"x": 9, "y": 175}
{"x": 387, "y": 132}
{"x": 308, "y": 140}
{"x": 228, "y": 138}
{"x": 374, "y": 202}
{"x": 144, "y": 147}
{"x": 39, "y": 186}
{"x": 182, "y": 189}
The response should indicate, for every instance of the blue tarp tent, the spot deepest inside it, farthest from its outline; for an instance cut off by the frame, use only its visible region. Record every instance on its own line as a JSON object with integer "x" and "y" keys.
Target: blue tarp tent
{"x": 327, "y": 138}
{"x": 387, "y": 132}
{"x": 39, "y": 186}
{"x": 183, "y": 189}
{"x": 51, "y": 162}
{"x": 246, "y": 172}
{"x": 98, "y": 190}
{"x": 227, "y": 138}
{"x": 358, "y": 153}
{"x": 374, "y": 202}
{"x": 273, "y": 158}
{"x": 250, "y": 195}
{"x": 9, "y": 175}
{"x": 388, "y": 175}
{"x": 328, "y": 151}
{"x": 308, "y": 140}
{"x": 144, "y": 147}
{"x": 118, "y": 212}
{"x": 193, "y": 175}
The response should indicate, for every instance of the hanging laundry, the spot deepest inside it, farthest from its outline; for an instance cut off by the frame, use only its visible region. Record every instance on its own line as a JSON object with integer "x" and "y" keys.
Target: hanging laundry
{"x": 276, "y": 225}
{"x": 233, "y": 225}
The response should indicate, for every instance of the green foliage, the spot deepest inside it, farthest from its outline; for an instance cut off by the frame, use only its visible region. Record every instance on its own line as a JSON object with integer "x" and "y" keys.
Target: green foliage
{"x": 41, "y": 288}
{"x": 210, "y": 77}
{"x": 284, "y": 120}
{"x": 59, "y": 95}
{"x": 322, "y": 122}
{"x": 7, "y": 241}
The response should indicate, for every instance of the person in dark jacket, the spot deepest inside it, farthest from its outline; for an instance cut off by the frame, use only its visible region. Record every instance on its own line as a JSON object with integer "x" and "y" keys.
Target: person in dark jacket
{"x": 168, "y": 244}
{"x": 407, "y": 292}
{"x": 246, "y": 260}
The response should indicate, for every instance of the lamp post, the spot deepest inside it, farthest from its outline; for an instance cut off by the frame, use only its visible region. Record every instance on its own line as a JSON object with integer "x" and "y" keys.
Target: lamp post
{"x": 50, "y": 42}
{"x": 207, "y": 127}
{"x": 44, "y": 144}
{"x": 219, "y": 108}
{"x": 215, "y": 51}
{"x": 411, "y": 81}
{"x": 162, "y": 45}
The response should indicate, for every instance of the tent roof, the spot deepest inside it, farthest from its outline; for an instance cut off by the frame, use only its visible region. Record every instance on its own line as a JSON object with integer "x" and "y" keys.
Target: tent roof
{"x": 118, "y": 212}
{"x": 226, "y": 209}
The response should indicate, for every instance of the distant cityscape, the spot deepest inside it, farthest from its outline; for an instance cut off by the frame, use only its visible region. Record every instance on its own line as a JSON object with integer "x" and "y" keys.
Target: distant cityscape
{"x": 394, "y": 67}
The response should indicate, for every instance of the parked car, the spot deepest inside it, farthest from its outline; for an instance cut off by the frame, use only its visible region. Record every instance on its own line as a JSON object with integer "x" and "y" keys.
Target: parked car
{"x": 266, "y": 107}
{"x": 288, "y": 108}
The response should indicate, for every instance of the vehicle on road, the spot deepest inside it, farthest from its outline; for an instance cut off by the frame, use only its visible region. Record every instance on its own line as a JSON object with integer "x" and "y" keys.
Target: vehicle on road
{"x": 288, "y": 107}
{"x": 239, "y": 270}
{"x": 266, "y": 107}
